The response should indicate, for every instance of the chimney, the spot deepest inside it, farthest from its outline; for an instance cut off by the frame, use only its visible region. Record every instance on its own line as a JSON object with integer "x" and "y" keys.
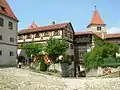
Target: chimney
{"x": 53, "y": 22}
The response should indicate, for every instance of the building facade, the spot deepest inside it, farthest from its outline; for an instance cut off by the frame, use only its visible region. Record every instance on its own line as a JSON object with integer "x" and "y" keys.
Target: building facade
{"x": 8, "y": 35}
{"x": 84, "y": 41}
{"x": 79, "y": 42}
{"x": 44, "y": 33}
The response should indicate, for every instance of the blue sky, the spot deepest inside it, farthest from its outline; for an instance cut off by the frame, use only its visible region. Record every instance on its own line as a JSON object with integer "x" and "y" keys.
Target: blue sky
{"x": 79, "y": 12}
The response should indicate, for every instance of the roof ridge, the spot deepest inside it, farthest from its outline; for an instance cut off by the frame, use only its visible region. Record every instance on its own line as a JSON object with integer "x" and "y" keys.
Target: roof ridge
{"x": 47, "y": 26}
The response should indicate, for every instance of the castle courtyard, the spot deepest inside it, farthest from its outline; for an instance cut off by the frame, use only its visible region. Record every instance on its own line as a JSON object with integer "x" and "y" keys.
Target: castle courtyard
{"x": 24, "y": 79}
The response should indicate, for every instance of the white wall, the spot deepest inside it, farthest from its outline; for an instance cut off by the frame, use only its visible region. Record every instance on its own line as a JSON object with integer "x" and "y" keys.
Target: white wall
{"x": 5, "y": 58}
{"x": 5, "y": 45}
{"x": 93, "y": 28}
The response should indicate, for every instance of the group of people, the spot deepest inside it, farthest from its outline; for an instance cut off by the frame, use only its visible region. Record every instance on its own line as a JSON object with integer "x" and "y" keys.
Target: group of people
{"x": 21, "y": 60}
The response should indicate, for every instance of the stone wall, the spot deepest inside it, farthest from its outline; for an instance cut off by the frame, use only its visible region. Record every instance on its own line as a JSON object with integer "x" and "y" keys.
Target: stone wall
{"x": 101, "y": 71}
{"x": 64, "y": 68}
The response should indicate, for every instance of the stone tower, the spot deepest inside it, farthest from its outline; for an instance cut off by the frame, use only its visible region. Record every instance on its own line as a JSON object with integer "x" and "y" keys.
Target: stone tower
{"x": 97, "y": 25}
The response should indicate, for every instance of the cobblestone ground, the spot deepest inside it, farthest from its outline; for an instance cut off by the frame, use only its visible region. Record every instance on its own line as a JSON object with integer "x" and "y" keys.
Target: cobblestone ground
{"x": 22, "y": 79}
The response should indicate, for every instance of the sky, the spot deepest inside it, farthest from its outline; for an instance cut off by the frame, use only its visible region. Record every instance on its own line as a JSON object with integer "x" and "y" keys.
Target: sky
{"x": 78, "y": 12}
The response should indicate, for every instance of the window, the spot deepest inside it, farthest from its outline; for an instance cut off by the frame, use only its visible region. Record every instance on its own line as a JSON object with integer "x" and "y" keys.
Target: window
{"x": 11, "y": 39}
{"x": 10, "y": 25}
{"x": 71, "y": 36}
{"x": 1, "y": 22}
{"x": 46, "y": 34}
{"x": 99, "y": 28}
{"x": 71, "y": 46}
{"x": 28, "y": 36}
{"x": 0, "y": 37}
{"x": 56, "y": 33}
{"x": 11, "y": 53}
{"x": 65, "y": 33}
{"x": 20, "y": 37}
{"x": 0, "y": 53}
{"x": 37, "y": 35}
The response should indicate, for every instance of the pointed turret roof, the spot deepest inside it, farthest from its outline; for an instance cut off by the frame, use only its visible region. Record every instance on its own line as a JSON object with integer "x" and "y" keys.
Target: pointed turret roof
{"x": 33, "y": 25}
{"x": 6, "y": 10}
{"x": 96, "y": 19}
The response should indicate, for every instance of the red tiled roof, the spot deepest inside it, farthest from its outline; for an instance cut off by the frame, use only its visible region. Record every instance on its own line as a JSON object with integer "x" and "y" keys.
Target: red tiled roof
{"x": 89, "y": 32}
{"x": 83, "y": 33}
{"x": 107, "y": 36}
{"x": 114, "y": 35}
{"x": 6, "y": 10}
{"x": 96, "y": 19}
{"x": 44, "y": 28}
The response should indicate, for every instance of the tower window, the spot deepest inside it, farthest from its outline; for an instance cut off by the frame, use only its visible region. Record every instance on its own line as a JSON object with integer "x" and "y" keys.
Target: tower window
{"x": 99, "y": 28}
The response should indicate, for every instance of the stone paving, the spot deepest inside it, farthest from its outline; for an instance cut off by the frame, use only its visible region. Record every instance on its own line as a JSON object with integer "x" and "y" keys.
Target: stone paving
{"x": 22, "y": 79}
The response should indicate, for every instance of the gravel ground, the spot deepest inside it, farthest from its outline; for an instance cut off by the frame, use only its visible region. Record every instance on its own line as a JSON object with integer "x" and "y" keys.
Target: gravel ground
{"x": 22, "y": 79}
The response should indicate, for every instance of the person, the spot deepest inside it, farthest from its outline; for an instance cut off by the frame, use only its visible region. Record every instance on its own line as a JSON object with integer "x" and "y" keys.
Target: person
{"x": 19, "y": 62}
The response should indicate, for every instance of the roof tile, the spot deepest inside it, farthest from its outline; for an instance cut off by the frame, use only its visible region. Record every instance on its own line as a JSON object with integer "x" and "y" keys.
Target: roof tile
{"x": 6, "y": 10}
{"x": 43, "y": 28}
{"x": 96, "y": 19}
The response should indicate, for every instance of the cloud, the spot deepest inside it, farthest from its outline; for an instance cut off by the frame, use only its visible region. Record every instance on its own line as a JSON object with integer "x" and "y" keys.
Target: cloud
{"x": 113, "y": 30}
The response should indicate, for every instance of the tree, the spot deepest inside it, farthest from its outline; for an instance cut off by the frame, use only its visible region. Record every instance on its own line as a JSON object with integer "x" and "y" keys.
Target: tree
{"x": 43, "y": 66}
{"x": 102, "y": 52}
{"x": 56, "y": 47}
{"x": 32, "y": 49}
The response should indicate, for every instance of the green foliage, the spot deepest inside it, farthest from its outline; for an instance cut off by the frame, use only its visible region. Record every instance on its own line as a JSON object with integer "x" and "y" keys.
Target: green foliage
{"x": 32, "y": 48}
{"x": 54, "y": 71}
{"x": 43, "y": 66}
{"x": 111, "y": 62}
{"x": 56, "y": 47}
{"x": 103, "y": 55}
{"x": 66, "y": 59}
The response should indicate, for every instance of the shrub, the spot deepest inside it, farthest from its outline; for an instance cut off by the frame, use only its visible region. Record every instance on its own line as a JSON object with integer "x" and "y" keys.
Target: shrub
{"x": 43, "y": 66}
{"x": 54, "y": 71}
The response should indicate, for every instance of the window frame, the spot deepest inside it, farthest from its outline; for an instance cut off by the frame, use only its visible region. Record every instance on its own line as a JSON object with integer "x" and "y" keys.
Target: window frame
{"x": 1, "y": 22}
{"x": 10, "y": 25}
{"x": 1, "y": 37}
{"x": 66, "y": 33}
{"x": 11, "y": 53}
{"x": 11, "y": 39}
{"x": 0, "y": 52}
{"x": 21, "y": 37}
{"x": 71, "y": 46}
{"x": 99, "y": 28}
{"x": 46, "y": 34}
{"x": 57, "y": 33}
{"x": 37, "y": 35}
{"x": 28, "y": 36}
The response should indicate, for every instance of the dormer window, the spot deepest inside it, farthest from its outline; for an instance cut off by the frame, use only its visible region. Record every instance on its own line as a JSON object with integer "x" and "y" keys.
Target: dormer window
{"x": 99, "y": 28}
